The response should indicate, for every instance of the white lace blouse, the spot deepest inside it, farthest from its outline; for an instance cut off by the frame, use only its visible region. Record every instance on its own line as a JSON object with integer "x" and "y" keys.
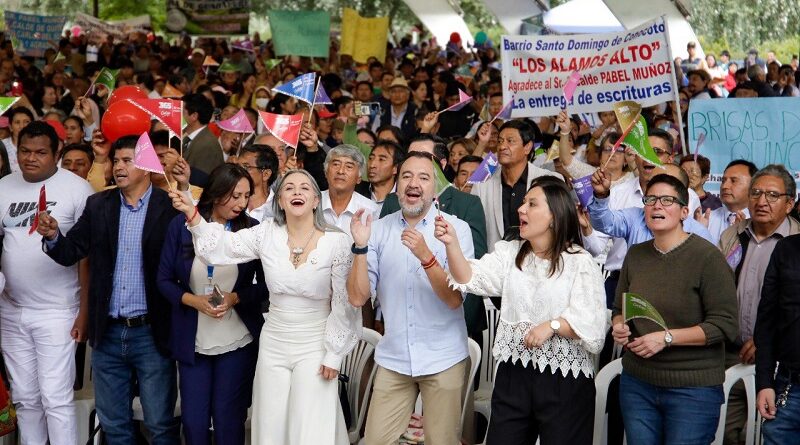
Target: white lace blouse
{"x": 319, "y": 283}
{"x": 530, "y": 298}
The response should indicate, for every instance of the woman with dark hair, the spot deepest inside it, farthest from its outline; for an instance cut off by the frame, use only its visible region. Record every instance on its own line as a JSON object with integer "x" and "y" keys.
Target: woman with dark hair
{"x": 73, "y": 126}
{"x": 311, "y": 324}
{"x": 282, "y": 104}
{"x": 245, "y": 94}
{"x": 214, "y": 340}
{"x": 552, "y": 320}
{"x": 671, "y": 385}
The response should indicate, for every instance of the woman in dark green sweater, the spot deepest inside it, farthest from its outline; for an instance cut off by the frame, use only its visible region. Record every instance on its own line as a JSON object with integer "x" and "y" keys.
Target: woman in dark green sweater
{"x": 671, "y": 385}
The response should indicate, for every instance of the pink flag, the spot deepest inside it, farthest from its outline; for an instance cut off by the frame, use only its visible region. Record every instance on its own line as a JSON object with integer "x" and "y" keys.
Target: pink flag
{"x": 505, "y": 112}
{"x": 284, "y": 127}
{"x": 145, "y": 157}
{"x": 463, "y": 100}
{"x": 571, "y": 85}
{"x": 237, "y": 124}
{"x": 700, "y": 140}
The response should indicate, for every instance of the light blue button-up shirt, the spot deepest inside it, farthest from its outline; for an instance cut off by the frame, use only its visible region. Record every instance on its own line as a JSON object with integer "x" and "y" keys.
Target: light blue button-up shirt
{"x": 423, "y": 335}
{"x": 128, "y": 295}
{"x": 630, "y": 224}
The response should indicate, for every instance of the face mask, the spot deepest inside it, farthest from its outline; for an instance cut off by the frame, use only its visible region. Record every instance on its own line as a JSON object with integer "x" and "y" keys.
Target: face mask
{"x": 262, "y": 102}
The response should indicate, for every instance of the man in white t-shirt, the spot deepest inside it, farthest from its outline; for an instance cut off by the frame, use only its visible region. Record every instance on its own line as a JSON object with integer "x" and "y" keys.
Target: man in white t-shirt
{"x": 344, "y": 168}
{"x": 41, "y": 315}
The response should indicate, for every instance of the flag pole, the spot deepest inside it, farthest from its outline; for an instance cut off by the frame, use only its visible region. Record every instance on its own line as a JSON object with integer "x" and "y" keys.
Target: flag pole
{"x": 673, "y": 80}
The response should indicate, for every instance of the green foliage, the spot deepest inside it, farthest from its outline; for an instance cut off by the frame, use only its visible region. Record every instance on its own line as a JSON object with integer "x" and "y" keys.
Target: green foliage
{"x": 744, "y": 24}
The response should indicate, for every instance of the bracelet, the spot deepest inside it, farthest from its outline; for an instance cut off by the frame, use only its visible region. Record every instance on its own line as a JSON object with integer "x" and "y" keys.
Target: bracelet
{"x": 563, "y": 134}
{"x": 359, "y": 250}
{"x": 429, "y": 263}
{"x": 196, "y": 211}
{"x": 432, "y": 263}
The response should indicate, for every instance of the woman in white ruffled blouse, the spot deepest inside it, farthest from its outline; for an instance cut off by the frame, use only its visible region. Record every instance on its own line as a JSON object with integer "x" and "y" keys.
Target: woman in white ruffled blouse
{"x": 552, "y": 319}
{"x": 311, "y": 324}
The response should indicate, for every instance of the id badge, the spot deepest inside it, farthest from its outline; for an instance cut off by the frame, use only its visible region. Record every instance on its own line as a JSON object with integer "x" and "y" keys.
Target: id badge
{"x": 208, "y": 289}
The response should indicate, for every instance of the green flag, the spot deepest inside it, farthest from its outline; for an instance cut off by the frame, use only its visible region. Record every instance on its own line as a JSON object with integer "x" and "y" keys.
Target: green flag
{"x": 634, "y": 306}
{"x": 107, "y": 78}
{"x": 440, "y": 180}
{"x": 59, "y": 56}
{"x": 637, "y": 141}
{"x": 6, "y": 103}
{"x": 300, "y": 33}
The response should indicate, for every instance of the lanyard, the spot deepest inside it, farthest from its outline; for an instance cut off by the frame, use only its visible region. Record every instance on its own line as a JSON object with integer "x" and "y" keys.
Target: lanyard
{"x": 210, "y": 269}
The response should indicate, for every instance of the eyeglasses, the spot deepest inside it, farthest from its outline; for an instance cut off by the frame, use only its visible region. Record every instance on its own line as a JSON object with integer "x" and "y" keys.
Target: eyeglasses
{"x": 666, "y": 200}
{"x": 755, "y": 194}
{"x": 660, "y": 152}
{"x": 248, "y": 167}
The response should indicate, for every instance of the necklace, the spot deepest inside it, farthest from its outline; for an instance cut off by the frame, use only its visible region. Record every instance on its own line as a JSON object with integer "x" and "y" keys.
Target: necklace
{"x": 297, "y": 252}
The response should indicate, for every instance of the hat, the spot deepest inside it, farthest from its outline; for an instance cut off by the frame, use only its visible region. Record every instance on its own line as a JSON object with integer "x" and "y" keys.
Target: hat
{"x": 399, "y": 82}
{"x": 198, "y": 51}
{"x": 59, "y": 128}
{"x": 363, "y": 77}
{"x": 455, "y": 37}
{"x": 324, "y": 113}
{"x": 227, "y": 67}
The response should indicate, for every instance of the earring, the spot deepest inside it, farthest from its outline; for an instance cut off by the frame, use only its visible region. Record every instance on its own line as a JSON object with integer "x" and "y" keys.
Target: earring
{"x": 551, "y": 225}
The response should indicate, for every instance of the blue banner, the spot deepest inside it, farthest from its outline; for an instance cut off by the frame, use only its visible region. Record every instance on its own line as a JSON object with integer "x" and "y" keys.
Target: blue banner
{"x": 761, "y": 130}
{"x": 32, "y": 34}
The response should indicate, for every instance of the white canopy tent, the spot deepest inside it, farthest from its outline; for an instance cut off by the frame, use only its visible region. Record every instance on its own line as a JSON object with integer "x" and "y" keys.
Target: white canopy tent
{"x": 441, "y": 19}
{"x": 511, "y": 13}
{"x": 581, "y": 17}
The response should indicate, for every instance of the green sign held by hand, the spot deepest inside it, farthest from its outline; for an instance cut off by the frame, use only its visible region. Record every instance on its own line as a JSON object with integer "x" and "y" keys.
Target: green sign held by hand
{"x": 634, "y": 306}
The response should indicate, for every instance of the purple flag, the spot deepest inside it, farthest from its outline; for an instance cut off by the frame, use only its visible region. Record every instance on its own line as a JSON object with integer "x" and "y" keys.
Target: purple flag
{"x": 321, "y": 96}
{"x": 505, "y": 112}
{"x": 463, "y": 100}
{"x": 485, "y": 170}
{"x": 700, "y": 140}
{"x": 571, "y": 85}
{"x": 583, "y": 188}
{"x": 301, "y": 88}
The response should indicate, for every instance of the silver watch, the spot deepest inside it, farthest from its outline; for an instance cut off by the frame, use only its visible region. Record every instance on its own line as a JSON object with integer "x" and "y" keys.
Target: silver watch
{"x": 667, "y": 338}
{"x": 555, "y": 325}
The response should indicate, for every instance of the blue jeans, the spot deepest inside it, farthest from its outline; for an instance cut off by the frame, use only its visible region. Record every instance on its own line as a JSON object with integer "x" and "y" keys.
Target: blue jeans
{"x": 122, "y": 357}
{"x": 655, "y": 415}
{"x": 784, "y": 429}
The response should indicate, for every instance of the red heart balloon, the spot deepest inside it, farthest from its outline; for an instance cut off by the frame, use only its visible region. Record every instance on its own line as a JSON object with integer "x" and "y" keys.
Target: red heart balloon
{"x": 123, "y": 119}
{"x": 126, "y": 92}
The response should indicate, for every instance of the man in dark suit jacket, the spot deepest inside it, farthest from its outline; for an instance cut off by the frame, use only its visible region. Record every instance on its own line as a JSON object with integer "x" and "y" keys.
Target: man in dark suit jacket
{"x": 201, "y": 148}
{"x": 402, "y": 112}
{"x": 467, "y": 208}
{"x": 122, "y": 232}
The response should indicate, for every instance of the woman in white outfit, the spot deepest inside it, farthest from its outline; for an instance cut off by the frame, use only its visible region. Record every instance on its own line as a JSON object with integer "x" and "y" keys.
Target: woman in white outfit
{"x": 552, "y": 319}
{"x": 310, "y": 326}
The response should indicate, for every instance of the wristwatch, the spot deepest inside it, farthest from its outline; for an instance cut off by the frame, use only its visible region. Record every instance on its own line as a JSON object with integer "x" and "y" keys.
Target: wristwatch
{"x": 555, "y": 325}
{"x": 359, "y": 250}
{"x": 667, "y": 339}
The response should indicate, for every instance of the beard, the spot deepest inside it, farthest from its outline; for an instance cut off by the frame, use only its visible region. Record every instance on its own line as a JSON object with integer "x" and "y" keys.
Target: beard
{"x": 412, "y": 211}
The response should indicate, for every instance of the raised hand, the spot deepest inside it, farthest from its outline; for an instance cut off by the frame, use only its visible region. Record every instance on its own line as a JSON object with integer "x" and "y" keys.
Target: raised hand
{"x": 48, "y": 226}
{"x": 563, "y": 122}
{"x": 445, "y": 232}
{"x": 601, "y": 184}
{"x": 701, "y": 216}
{"x": 181, "y": 171}
{"x": 309, "y": 137}
{"x": 183, "y": 204}
{"x": 360, "y": 231}
{"x": 429, "y": 123}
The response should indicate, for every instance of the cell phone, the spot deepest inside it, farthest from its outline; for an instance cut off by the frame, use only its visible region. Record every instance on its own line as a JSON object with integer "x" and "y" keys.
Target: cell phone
{"x": 216, "y": 298}
{"x": 361, "y": 109}
{"x": 16, "y": 88}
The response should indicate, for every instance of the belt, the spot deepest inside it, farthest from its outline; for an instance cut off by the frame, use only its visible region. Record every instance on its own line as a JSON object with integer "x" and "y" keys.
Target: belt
{"x": 132, "y": 322}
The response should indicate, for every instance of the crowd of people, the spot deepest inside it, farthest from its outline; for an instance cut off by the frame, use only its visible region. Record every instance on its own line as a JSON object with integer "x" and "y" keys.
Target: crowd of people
{"x": 245, "y": 274}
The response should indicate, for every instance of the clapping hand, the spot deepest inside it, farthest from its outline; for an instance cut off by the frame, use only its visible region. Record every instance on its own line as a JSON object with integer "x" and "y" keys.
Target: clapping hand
{"x": 48, "y": 226}
{"x": 415, "y": 242}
